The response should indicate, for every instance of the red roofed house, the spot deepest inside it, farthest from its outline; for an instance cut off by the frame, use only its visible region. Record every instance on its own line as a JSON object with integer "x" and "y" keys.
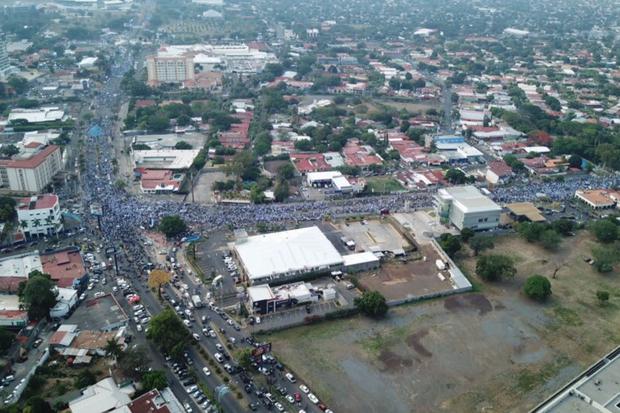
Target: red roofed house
{"x": 408, "y": 150}
{"x": 498, "y": 172}
{"x": 39, "y": 215}
{"x": 156, "y": 402}
{"x": 237, "y": 136}
{"x": 310, "y": 162}
{"x": 158, "y": 181}
{"x": 65, "y": 267}
{"x": 362, "y": 156}
{"x": 32, "y": 170}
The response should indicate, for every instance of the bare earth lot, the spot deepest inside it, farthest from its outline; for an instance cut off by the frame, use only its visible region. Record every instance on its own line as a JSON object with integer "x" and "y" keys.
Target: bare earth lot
{"x": 492, "y": 351}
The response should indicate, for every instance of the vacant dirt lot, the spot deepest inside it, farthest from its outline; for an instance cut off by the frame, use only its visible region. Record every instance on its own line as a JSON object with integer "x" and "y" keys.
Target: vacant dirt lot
{"x": 397, "y": 280}
{"x": 492, "y": 350}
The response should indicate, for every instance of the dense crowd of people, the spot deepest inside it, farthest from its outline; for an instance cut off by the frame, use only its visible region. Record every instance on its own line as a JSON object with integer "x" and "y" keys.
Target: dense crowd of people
{"x": 124, "y": 213}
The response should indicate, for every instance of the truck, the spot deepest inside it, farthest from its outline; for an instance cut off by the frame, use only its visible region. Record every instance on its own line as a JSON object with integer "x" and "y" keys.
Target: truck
{"x": 197, "y": 301}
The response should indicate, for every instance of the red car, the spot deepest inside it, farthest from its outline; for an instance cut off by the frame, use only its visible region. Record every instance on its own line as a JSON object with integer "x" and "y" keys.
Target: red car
{"x": 297, "y": 396}
{"x": 322, "y": 406}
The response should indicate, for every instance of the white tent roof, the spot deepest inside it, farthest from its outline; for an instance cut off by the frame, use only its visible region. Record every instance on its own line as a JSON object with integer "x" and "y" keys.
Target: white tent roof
{"x": 298, "y": 250}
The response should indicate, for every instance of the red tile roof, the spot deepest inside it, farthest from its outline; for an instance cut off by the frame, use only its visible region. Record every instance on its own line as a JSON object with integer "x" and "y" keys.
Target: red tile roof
{"x": 64, "y": 267}
{"x": 10, "y": 284}
{"x": 45, "y": 201}
{"x": 310, "y": 162}
{"x": 32, "y": 162}
{"x": 150, "y": 402}
{"x": 500, "y": 168}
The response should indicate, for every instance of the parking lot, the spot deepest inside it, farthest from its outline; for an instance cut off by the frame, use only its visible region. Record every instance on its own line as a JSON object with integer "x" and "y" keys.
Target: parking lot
{"x": 373, "y": 234}
{"x": 99, "y": 314}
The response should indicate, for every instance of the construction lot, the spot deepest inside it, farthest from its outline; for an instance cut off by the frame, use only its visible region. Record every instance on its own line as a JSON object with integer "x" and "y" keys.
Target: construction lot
{"x": 493, "y": 350}
{"x": 408, "y": 279}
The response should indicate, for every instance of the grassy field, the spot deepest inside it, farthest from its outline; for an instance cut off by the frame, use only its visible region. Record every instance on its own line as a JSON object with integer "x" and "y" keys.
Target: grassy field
{"x": 383, "y": 184}
{"x": 493, "y": 350}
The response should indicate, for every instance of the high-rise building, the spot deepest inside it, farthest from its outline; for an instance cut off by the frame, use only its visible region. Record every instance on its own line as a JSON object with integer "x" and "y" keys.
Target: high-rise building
{"x": 5, "y": 67}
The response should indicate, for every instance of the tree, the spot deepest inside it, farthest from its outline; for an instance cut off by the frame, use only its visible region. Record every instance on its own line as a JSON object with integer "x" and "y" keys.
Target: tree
{"x": 245, "y": 357}
{"x": 133, "y": 363}
{"x": 182, "y": 145}
{"x": 113, "y": 349}
{"x": 9, "y": 150}
{"x": 372, "y": 303}
{"x": 450, "y": 244}
{"x": 603, "y": 297}
{"x": 168, "y": 332}
{"x": 7, "y": 209}
{"x": 157, "y": 278}
{"x": 38, "y": 295}
{"x": 550, "y": 239}
{"x": 480, "y": 243}
{"x": 84, "y": 379}
{"x": 6, "y": 340}
{"x": 286, "y": 171}
{"x": 19, "y": 84}
{"x": 257, "y": 195}
{"x": 604, "y": 230}
{"x": 281, "y": 191}
{"x": 564, "y": 226}
{"x": 37, "y": 404}
{"x": 172, "y": 225}
{"x": 455, "y": 176}
{"x": 495, "y": 267}
{"x": 467, "y": 234}
{"x": 157, "y": 122}
{"x": 530, "y": 231}
{"x": 155, "y": 379}
{"x": 537, "y": 287}
{"x": 604, "y": 258}
{"x": 575, "y": 161}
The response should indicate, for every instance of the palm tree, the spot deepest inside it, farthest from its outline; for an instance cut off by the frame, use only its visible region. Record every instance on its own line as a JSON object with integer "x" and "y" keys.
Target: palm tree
{"x": 112, "y": 348}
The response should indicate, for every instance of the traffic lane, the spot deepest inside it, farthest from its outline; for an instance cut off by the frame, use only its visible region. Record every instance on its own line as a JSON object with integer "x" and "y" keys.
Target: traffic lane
{"x": 278, "y": 375}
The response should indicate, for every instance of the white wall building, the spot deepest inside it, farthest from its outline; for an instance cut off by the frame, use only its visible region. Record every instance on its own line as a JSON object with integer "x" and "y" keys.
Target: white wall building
{"x": 67, "y": 300}
{"x": 32, "y": 170}
{"x": 467, "y": 207}
{"x": 39, "y": 215}
{"x": 180, "y": 63}
{"x": 286, "y": 255}
{"x": 333, "y": 179}
{"x": 46, "y": 114}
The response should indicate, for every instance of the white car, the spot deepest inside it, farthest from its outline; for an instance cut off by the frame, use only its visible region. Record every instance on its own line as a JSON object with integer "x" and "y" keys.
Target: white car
{"x": 279, "y": 406}
{"x": 206, "y": 371}
{"x": 187, "y": 323}
{"x": 304, "y": 388}
{"x": 313, "y": 398}
{"x": 139, "y": 327}
{"x": 290, "y": 377}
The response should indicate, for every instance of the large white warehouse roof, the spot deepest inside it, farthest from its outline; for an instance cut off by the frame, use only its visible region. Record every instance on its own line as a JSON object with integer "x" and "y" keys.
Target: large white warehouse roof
{"x": 284, "y": 253}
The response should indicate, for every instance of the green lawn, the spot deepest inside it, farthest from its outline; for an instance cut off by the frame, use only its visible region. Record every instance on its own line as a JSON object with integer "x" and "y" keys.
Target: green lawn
{"x": 382, "y": 184}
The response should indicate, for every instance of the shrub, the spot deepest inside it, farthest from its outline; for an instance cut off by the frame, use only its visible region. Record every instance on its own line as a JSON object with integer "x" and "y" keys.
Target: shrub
{"x": 537, "y": 287}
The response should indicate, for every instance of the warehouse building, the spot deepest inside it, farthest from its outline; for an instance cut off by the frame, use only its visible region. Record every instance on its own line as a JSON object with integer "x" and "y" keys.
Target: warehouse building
{"x": 362, "y": 261}
{"x": 285, "y": 256}
{"x": 467, "y": 207}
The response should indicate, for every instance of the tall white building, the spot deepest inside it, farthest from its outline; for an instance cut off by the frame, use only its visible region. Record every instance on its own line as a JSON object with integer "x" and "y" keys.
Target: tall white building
{"x": 178, "y": 64}
{"x": 33, "y": 169}
{"x": 39, "y": 215}
{"x": 467, "y": 207}
{"x": 5, "y": 67}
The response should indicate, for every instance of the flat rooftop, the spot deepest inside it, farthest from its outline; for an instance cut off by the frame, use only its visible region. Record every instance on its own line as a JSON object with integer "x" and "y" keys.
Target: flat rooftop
{"x": 527, "y": 210}
{"x": 596, "y": 390}
{"x": 287, "y": 252}
{"x": 99, "y": 314}
{"x": 469, "y": 198}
